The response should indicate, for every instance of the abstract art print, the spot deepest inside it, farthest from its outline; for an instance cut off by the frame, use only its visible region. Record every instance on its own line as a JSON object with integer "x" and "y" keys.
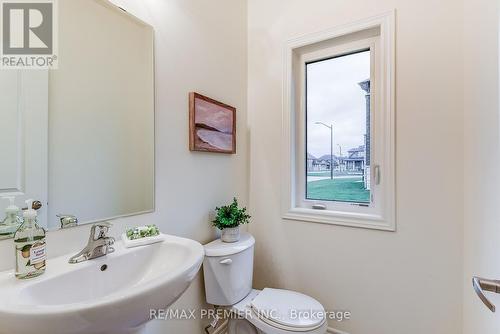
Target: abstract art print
{"x": 212, "y": 125}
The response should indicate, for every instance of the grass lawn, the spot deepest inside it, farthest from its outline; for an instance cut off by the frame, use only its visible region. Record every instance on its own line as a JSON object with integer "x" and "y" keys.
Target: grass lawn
{"x": 324, "y": 173}
{"x": 348, "y": 189}
{"x": 327, "y": 174}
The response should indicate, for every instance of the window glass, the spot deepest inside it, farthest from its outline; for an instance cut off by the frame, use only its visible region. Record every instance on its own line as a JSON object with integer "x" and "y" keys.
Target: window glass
{"x": 338, "y": 128}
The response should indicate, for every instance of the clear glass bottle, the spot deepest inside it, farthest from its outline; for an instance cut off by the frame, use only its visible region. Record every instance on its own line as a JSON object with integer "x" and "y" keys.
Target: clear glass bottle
{"x": 12, "y": 220}
{"x": 29, "y": 242}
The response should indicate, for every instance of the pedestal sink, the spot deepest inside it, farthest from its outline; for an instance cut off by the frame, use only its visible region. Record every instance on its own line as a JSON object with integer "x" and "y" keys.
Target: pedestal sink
{"x": 108, "y": 295}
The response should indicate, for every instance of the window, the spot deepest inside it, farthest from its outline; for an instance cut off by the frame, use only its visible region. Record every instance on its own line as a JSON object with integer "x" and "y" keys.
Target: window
{"x": 338, "y": 125}
{"x": 338, "y": 129}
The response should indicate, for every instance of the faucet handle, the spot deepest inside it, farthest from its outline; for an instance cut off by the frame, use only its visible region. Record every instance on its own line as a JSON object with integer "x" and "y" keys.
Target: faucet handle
{"x": 67, "y": 220}
{"x": 103, "y": 229}
{"x": 104, "y": 224}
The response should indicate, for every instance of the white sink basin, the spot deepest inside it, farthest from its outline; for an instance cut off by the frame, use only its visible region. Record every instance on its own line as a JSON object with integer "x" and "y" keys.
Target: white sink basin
{"x": 83, "y": 299}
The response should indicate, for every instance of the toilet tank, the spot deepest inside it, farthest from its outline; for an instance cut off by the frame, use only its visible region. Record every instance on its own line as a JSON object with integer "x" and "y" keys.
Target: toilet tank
{"x": 228, "y": 270}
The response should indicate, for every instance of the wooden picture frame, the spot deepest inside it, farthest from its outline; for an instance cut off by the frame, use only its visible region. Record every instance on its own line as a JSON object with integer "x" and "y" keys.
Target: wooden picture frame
{"x": 212, "y": 125}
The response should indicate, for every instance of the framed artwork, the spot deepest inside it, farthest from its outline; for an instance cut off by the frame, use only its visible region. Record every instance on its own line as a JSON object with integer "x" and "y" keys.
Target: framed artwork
{"x": 212, "y": 125}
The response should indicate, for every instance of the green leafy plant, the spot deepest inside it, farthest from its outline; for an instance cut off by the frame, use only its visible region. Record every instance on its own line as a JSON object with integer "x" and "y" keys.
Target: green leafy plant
{"x": 229, "y": 216}
{"x": 142, "y": 232}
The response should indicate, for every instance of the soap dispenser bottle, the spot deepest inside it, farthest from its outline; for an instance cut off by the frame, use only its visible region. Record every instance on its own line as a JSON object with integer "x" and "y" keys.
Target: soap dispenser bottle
{"x": 12, "y": 219}
{"x": 29, "y": 241}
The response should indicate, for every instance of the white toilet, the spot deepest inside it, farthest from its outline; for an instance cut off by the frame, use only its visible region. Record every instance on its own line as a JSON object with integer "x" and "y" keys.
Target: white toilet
{"x": 228, "y": 269}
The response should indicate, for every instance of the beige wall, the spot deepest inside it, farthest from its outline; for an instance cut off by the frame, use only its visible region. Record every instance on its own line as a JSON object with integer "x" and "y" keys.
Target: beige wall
{"x": 200, "y": 46}
{"x": 393, "y": 283}
{"x": 482, "y": 158}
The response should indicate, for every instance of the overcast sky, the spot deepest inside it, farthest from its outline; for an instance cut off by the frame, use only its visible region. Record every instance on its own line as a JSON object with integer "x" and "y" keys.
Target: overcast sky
{"x": 334, "y": 96}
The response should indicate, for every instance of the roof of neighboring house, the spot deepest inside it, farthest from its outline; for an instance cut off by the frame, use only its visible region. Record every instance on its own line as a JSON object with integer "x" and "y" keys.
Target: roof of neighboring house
{"x": 365, "y": 85}
{"x": 310, "y": 156}
{"x": 356, "y": 154}
{"x": 360, "y": 148}
{"x": 327, "y": 157}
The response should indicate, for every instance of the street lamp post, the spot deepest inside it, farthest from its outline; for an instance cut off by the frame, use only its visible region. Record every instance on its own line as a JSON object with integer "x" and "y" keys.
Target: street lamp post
{"x": 331, "y": 146}
{"x": 341, "y": 160}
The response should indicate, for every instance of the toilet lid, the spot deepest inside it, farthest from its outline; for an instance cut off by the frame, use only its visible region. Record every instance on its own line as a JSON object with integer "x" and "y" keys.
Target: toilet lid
{"x": 289, "y": 309}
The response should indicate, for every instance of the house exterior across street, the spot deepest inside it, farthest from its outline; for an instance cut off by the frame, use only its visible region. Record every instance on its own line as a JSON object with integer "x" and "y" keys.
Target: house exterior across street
{"x": 357, "y": 160}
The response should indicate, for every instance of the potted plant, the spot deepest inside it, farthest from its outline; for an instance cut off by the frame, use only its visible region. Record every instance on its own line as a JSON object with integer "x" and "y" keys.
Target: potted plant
{"x": 228, "y": 219}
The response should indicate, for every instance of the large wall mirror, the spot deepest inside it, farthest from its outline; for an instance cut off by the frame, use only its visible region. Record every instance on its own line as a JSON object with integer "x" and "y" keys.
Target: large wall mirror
{"x": 80, "y": 138}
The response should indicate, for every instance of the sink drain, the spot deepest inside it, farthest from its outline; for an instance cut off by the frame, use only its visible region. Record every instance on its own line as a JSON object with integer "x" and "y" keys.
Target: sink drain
{"x": 104, "y": 267}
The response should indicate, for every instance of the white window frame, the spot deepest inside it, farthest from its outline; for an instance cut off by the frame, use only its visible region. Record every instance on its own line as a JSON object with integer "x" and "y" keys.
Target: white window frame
{"x": 344, "y": 49}
{"x": 378, "y": 35}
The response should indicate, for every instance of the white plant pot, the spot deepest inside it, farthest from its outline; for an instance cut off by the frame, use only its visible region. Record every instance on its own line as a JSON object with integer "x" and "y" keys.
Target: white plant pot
{"x": 231, "y": 234}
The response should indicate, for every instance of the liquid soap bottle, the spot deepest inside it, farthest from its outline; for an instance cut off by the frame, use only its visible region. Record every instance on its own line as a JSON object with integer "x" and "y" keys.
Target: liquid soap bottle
{"x": 29, "y": 241}
{"x": 12, "y": 219}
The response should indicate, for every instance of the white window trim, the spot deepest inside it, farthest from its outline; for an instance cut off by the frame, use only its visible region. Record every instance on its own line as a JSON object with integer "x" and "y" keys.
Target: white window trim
{"x": 382, "y": 215}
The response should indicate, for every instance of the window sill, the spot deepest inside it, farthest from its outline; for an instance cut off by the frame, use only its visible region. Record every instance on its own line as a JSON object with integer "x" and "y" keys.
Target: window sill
{"x": 339, "y": 218}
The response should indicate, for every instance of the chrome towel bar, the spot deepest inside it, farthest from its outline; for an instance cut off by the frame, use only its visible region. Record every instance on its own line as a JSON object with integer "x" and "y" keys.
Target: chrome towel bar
{"x": 482, "y": 284}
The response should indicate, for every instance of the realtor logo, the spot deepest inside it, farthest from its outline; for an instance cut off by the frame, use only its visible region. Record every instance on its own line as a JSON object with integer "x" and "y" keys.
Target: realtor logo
{"x": 28, "y": 35}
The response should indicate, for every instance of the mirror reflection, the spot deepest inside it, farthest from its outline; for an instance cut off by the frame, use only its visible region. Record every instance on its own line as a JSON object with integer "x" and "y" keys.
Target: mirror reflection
{"x": 79, "y": 139}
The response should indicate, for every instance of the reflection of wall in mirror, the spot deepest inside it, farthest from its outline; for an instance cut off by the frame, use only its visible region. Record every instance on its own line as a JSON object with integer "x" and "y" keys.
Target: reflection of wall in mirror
{"x": 101, "y": 101}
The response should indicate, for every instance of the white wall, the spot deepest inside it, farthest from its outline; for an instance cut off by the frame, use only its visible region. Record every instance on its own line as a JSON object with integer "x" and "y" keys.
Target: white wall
{"x": 482, "y": 158}
{"x": 200, "y": 46}
{"x": 404, "y": 282}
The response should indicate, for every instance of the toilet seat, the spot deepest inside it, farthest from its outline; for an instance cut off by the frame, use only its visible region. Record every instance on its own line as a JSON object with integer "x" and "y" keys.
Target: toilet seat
{"x": 288, "y": 310}
{"x": 244, "y": 309}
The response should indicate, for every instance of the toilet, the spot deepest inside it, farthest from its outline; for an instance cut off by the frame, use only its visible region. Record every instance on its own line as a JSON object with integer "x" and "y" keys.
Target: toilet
{"x": 228, "y": 270}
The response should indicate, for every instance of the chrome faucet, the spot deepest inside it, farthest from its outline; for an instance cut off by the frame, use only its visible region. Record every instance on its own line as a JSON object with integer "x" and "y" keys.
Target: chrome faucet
{"x": 67, "y": 220}
{"x": 99, "y": 244}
